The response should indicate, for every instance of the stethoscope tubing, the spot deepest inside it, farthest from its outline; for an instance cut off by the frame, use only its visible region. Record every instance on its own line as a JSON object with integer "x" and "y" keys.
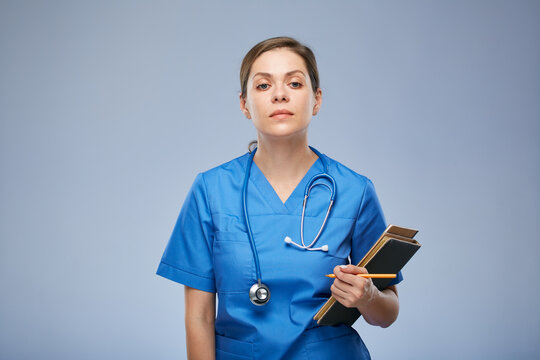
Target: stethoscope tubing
{"x": 246, "y": 217}
{"x": 309, "y": 186}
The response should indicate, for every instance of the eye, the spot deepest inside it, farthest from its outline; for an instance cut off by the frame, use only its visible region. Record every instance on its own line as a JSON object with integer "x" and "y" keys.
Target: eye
{"x": 263, "y": 86}
{"x": 296, "y": 85}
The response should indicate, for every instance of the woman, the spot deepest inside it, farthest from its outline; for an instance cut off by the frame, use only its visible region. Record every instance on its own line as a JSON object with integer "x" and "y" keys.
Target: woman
{"x": 270, "y": 286}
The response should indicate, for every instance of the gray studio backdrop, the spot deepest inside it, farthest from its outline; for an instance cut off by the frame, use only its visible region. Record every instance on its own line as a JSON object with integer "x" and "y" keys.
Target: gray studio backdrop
{"x": 109, "y": 109}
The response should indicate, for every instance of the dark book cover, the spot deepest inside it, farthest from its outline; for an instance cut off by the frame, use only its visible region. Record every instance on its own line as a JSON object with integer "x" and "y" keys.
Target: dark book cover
{"x": 389, "y": 259}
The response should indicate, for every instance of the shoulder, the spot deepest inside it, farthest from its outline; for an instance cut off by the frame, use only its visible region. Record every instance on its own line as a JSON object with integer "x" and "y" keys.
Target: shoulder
{"x": 232, "y": 170}
{"x": 356, "y": 189}
{"x": 346, "y": 174}
{"x": 216, "y": 185}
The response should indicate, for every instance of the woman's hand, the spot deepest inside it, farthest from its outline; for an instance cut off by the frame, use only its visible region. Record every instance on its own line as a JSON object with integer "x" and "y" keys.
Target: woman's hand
{"x": 351, "y": 290}
{"x": 379, "y": 308}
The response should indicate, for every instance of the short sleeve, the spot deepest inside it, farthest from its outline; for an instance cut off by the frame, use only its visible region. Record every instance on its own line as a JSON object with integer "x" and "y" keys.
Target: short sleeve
{"x": 187, "y": 259}
{"x": 369, "y": 226}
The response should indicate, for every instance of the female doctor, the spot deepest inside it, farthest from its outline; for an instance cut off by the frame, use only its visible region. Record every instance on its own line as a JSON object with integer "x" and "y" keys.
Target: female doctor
{"x": 246, "y": 233}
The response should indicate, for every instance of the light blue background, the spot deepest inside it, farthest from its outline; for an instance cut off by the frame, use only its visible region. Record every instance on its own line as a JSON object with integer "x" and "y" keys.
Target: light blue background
{"x": 110, "y": 109}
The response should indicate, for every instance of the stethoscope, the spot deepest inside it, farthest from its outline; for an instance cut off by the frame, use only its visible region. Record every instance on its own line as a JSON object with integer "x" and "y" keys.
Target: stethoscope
{"x": 259, "y": 293}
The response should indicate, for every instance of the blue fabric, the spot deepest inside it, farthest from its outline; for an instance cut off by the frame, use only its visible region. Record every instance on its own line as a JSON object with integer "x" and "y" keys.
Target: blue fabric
{"x": 209, "y": 250}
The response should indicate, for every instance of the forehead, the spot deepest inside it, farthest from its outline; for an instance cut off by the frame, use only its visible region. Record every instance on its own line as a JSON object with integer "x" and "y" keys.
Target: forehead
{"x": 278, "y": 61}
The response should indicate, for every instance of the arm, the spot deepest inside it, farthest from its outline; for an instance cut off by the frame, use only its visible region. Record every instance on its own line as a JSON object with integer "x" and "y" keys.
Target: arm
{"x": 200, "y": 320}
{"x": 379, "y": 308}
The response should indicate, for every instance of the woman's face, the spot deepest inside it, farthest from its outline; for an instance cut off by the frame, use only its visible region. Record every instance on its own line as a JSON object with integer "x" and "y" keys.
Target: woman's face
{"x": 280, "y": 100}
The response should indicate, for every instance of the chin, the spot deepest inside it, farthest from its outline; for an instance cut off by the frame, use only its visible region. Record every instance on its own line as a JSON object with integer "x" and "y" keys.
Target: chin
{"x": 284, "y": 133}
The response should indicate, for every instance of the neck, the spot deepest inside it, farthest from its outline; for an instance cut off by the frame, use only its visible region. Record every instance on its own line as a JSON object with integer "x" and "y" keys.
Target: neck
{"x": 286, "y": 158}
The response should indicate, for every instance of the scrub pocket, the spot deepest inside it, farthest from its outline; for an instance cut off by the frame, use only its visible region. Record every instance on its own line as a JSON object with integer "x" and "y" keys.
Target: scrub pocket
{"x": 348, "y": 346}
{"x": 233, "y": 262}
{"x": 231, "y": 349}
{"x": 336, "y": 234}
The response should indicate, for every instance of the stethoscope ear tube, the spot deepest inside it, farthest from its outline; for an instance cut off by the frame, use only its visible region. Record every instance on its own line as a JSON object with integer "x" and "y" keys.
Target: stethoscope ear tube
{"x": 311, "y": 184}
{"x": 310, "y": 246}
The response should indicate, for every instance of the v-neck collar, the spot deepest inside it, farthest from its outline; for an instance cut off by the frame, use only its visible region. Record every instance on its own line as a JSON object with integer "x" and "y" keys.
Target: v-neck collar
{"x": 294, "y": 200}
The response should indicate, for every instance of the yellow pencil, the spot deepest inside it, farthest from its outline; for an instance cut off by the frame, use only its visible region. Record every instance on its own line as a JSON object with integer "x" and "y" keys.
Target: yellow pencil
{"x": 372, "y": 276}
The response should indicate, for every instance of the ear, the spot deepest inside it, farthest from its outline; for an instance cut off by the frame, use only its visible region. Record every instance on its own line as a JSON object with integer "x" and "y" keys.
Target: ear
{"x": 243, "y": 107}
{"x": 318, "y": 101}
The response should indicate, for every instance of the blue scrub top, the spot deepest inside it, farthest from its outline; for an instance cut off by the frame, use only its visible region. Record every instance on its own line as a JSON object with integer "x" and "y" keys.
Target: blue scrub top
{"x": 209, "y": 250}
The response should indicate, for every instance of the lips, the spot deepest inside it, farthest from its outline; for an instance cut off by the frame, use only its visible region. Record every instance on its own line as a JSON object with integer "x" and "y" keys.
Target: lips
{"x": 281, "y": 112}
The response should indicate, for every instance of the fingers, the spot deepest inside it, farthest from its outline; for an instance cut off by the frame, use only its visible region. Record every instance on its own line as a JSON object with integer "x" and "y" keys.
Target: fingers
{"x": 341, "y": 295}
{"x": 347, "y": 273}
{"x": 357, "y": 289}
{"x": 346, "y": 301}
{"x": 349, "y": 289}
{"x": 343, "y": 299}
{"x": 339, "y": 289}
{"x": 346, "y": 294}
{"x": 351, "y": 269}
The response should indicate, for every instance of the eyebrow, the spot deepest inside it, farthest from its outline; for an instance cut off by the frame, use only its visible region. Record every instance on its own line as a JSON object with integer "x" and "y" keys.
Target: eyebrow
{"x": 270, "y": 75}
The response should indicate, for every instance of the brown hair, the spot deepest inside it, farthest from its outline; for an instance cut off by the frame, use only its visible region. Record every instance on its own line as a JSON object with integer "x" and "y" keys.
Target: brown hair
{"x": 276, "y": 43}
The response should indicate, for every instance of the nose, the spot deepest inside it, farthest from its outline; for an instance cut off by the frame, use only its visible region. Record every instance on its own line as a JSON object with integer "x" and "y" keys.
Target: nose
{"x": 280, "y": 94}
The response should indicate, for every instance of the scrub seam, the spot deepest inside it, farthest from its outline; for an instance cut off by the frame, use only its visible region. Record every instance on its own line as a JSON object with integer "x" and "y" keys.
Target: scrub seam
{"x": 208, "y": 201}
{"x": 360, "y": 208}
{"x": 307, "y": 217}
{"x": 236, "y": 355}
{"x": 329, "y": 338}
{"x": 189, "y": 272}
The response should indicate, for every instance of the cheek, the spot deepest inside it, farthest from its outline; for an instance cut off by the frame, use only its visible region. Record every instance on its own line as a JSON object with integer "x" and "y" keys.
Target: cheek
{"x": 253, "y": 104}
{"x": 308, "y": 102}
{"x": 307, "y": 109}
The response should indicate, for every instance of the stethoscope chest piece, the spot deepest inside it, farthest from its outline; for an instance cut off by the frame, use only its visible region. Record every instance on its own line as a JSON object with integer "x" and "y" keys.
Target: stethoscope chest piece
{"x": 259, "y": 294}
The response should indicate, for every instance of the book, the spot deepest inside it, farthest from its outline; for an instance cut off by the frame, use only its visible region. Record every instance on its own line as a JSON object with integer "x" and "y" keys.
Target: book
{"x": 388, "y": 255}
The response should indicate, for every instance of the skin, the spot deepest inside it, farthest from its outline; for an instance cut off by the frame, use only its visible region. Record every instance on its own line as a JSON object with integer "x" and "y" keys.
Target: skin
{"x": 378, "y": 308}
{"x": 200, "y": 310}
{"x": 279, "y": 80}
